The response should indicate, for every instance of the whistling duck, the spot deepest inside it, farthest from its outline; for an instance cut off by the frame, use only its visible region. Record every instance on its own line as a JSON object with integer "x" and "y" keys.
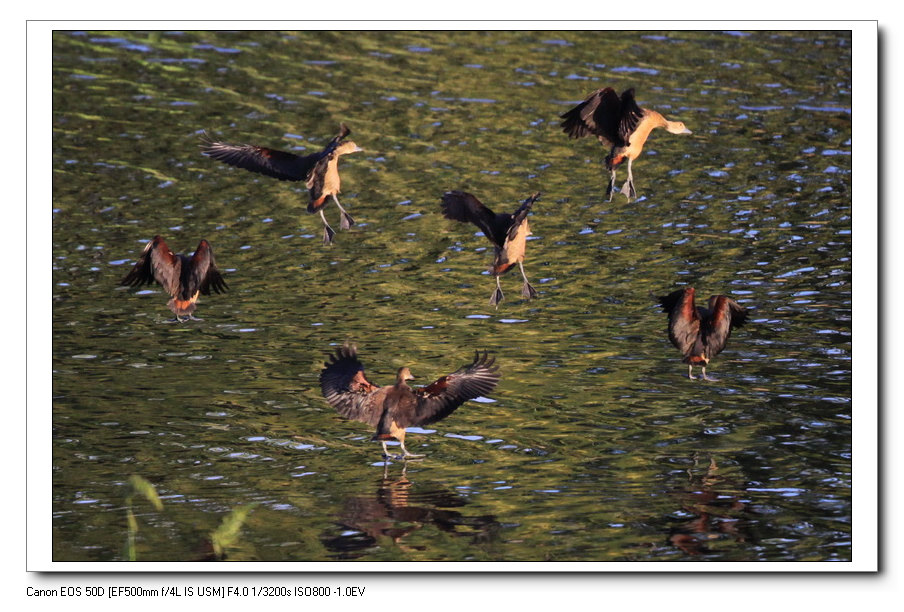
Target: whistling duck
{"x": 183, "y": 277}
{"x": 507, "y": 232}
{"x": 320, "y": 170}
{"x": 620, "y": 124}
{"x": 394, "y": 407}
{"x": 700, "y": 333}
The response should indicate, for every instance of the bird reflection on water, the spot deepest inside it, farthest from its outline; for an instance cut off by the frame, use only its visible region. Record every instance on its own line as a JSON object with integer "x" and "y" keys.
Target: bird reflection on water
{"x": 398, "y": 510}
{"x": 715, "y": 513}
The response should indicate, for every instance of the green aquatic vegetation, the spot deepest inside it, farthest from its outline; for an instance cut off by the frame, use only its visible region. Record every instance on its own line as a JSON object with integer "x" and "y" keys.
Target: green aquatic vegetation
{"x": 138, "y": 486}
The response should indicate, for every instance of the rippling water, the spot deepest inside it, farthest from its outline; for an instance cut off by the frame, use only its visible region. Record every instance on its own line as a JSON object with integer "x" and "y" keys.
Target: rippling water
{"x": 594, "y": 447}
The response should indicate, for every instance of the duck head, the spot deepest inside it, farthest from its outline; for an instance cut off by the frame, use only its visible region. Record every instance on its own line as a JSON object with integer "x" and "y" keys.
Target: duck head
{"x": 403, "y": 375}
{"x": 348, "y": 147}
{"x": 676, "y": 127}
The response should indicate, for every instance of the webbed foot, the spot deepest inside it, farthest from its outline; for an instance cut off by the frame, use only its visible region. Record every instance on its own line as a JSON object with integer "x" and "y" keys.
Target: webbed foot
{"x": 346, "y": 221}
{"x": 496, "y": 297}
{"x": 328, "y": 234}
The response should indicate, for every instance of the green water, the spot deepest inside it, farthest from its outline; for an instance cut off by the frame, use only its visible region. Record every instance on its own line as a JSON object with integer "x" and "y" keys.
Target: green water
{"x": 594, "y": 446}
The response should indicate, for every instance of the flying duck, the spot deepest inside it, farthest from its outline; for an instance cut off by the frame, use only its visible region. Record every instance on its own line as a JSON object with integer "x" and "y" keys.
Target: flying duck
{"x": 619, "y": 124}
{"x": 320, "y": 171}
{"x": 507, "y": 232}
{"x": 183, "y": 277}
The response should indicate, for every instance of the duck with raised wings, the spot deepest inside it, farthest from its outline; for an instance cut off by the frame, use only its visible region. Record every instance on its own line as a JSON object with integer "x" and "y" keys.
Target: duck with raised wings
{"x": 620, "y": 124}
{"x": 700, "y": 333}
{"x": 320, "y": 170}
{"x": 183, "y": 278}
{"x": 507, "y": 232}
{"x": 392, "y": 408}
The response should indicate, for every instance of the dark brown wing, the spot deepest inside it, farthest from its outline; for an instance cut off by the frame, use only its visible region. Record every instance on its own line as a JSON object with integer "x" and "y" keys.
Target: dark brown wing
{"x": 464, "y": 207}
{"x": 345, "y": 387}
{"x": 343, "y": 132}
{"x": 724, "y": 315}
{"x": 157, "y": 263}
{"x": 598, "y": 114}
{"x": 271, "y": 162}
{"x": 203, "y": 274}
{"x": 520, "y": 215}
{"x": 629, "y": 115}
{"x": 684, "y": 320}
{"x": 440, "y": 398}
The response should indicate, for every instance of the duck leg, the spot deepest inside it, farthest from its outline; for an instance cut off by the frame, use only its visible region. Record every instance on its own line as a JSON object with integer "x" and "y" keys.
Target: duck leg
{"x": 347, "y": 220}
{"x": 406, "y": 454}
{"x": 690, "y": 369}
{"x": 497, "y": 294}
{"x": 611, "y": 185}
{"x": 628, "y": 188}
{"x": 705, "y": 377}
{"x": 328, "y": 232}
{"x": 527, "y": 290}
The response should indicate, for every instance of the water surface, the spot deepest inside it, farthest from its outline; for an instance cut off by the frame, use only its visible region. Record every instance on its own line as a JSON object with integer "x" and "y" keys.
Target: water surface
{"x": 594, "y": 447}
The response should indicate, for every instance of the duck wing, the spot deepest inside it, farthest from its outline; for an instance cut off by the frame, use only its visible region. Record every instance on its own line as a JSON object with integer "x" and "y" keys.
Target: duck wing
{"x": 156, "y": 263}
{"x": 203, "y": 273}
{"x": 629, "y": 117}
{"x": 270, "y": 162}
{"x": 724, "y": 315}
{"x": 317, "y": 176}
{"x": 464, "y": 207}
{"x": 346, "y": 389}
{"x": 520, "y": 215}
{"x": 684, "y": 319}
{"x": 598, "y": 114}
{"x": 441, "y": 397}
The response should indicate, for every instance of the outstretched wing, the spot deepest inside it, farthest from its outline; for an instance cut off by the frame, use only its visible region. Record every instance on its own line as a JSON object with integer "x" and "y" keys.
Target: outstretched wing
{"x": 684, "y": 320}
{"x": 629, "y": 115}
{"x": 725, "y": 314}
{"x": 203, "y": 273}
{"x": 598, "y": 114}
{"x": 440, "y": 398}
{"x": 464, "y": 207}
{"x": 520, "y": 215}
{"x": 157, "y": 263}
{"x": 271, "y": 162}
{"x": 345, "y": 387}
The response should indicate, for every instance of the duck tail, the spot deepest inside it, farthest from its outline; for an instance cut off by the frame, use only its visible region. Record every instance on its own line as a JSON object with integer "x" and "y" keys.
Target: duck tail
{"x": 501, "y": 268}
{"x": 613, "y": 160}
{"x": 316, "y": 204}
{"x": 181, "y": 307}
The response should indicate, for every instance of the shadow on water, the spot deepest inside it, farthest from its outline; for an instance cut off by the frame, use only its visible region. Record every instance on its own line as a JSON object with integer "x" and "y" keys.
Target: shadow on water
{"x": 390, "y": 518}
{"x": 594, "y": 446}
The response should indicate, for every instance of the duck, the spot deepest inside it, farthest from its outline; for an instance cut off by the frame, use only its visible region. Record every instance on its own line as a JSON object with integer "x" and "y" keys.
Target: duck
{"x": 620, "y": 124}
{"x": 320, "y": 170}
{"x": 507, "y": 232}
{"x": 184, "y": 278}
{"x": 392, "y": 408}
{"x": 700, "y": 333}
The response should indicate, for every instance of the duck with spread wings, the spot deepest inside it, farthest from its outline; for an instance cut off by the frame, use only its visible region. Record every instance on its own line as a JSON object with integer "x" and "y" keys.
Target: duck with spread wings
{"x": 619, "y": 124}
{"x": 392, "y": 408}
{"x": 184, "y": 278}
{"x": 700, "y": 333}
{"x": 507, "y": 232}
{"x": 320, "y": 170}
